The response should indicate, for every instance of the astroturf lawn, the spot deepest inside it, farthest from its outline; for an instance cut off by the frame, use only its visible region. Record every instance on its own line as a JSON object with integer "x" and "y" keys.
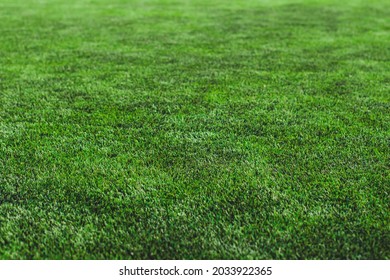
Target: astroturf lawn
{"x": 202, "y": 129}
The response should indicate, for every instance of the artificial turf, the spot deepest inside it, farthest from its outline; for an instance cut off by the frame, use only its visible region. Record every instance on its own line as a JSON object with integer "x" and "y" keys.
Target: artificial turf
{"x": 176, "y": 129}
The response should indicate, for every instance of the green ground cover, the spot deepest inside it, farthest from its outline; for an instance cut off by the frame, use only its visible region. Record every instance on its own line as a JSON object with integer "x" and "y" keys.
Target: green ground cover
{"x": 174, "y": 129}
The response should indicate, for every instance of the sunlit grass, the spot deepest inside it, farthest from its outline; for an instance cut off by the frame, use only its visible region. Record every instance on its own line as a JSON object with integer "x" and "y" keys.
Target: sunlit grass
{"x": 194, "y": 129}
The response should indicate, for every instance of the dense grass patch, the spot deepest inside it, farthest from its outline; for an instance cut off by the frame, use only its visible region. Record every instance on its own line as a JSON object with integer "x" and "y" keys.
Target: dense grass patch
{"x": 161, "y": 129}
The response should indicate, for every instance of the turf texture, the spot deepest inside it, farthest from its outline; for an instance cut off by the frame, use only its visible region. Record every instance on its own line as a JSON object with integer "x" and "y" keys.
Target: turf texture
{"x": 174, "y": 129}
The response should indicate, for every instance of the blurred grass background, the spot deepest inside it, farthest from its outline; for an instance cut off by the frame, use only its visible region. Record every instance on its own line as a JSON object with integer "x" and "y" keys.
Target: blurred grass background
{"x": 173, "y": 129}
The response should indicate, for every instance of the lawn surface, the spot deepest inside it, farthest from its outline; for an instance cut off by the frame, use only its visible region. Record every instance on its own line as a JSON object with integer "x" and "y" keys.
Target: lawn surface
{"x": 177, "y": 129}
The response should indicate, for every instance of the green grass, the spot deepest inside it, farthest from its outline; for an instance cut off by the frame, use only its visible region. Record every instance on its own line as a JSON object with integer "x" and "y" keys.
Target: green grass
{"x": 176, "y": 129}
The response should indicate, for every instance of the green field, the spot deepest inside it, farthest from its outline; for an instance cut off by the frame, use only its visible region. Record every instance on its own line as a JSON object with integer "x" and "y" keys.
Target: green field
{"x": 204, "y": 129}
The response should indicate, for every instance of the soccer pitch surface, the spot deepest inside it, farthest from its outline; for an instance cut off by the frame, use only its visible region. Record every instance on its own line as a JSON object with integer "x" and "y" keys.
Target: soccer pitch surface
{"x": 194, "y": 129}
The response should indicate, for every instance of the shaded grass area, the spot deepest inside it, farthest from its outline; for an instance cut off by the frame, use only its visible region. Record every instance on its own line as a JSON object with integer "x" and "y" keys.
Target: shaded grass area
{"x": 194, "y": 129}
